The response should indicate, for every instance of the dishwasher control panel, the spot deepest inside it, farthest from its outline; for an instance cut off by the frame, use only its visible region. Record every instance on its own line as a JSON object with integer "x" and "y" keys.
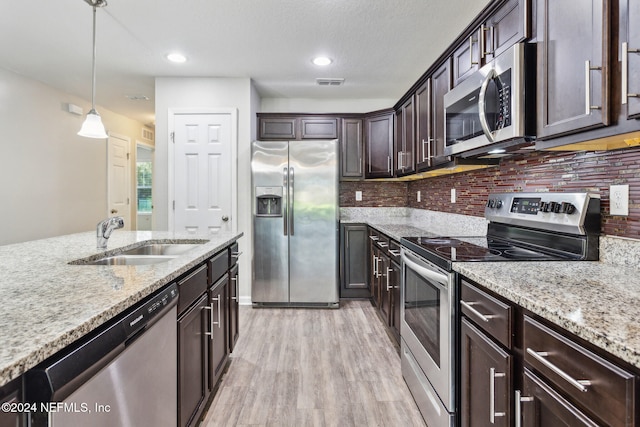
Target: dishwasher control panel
{"x": 139, "y": 318}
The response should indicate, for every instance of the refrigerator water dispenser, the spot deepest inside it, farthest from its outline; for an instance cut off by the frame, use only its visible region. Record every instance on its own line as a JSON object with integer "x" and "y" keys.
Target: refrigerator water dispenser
{"x": 269, "y": 201}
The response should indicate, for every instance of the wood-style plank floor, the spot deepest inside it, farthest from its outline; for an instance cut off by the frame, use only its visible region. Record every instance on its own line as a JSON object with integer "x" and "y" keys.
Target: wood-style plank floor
{"x": 313, "y": 367}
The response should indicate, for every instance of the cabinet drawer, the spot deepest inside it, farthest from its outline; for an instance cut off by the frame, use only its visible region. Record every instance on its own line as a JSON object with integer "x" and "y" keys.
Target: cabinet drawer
{"x": 394, "y": 251}
{"x": 191, "y": 287}
{"x": 591, "y": 382}
{"x": 234, "y": 254}
{"x": 218, "y": 265}
{"x": 490, "y": 314}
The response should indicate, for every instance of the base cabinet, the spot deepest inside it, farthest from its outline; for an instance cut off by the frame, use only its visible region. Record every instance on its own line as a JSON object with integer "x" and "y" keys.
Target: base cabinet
{"x": 234, "y": 305}
{"x": 217, "y": 331}
{"x": 486, "y": 380}
{"x": 193, "y": 362}
{"x": 353, "y": 261}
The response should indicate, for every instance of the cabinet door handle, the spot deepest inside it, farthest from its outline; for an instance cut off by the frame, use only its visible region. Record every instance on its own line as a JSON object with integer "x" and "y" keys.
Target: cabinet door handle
{"x": 375, "y": 266}
{"x": 235, "y": 279}
{"x": 483, "y": 43}
{"x": 492, "y": 394}
{"x": 218, "y": 322}
{"x": 471, "y": 61}
{"x": 389, "y": 164}
{"x": 426, "y": 154}
{"x": 210, "y": 333}
{"x": 389, "y": 287}
{"x": 483, "y": 317}
{"x": 587, "y": 97}
{"x": 625, "y": 72}
{"x": 519, "y": 400}
{"x": 540, "y": 356}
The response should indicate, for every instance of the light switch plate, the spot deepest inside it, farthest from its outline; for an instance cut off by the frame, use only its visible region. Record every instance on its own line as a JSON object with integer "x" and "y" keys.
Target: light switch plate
{"x": 358, "y": 196}
{"x": 619, "y": 200}
{"x": 453, "y": 195}
{"x": 418, "y": 195}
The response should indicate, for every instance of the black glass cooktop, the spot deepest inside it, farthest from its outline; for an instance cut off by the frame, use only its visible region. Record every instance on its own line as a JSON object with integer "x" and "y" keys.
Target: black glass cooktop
{"x": 473, "y": 249}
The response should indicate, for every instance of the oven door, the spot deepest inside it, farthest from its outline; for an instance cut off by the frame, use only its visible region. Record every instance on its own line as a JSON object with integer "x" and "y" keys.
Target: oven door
{"x": 428, "y": 321}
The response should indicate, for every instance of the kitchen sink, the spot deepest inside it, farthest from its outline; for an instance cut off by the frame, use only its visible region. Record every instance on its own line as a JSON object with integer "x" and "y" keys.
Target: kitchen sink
{"x": 132, "y": 260}
{"x": 152, "y": 249}
{"x": 146, "y": 254}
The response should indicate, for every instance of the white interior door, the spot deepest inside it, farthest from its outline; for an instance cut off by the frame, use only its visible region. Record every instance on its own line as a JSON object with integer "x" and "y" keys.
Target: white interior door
{"x": 203, "y": 178}
{"x": 119, "y": 191}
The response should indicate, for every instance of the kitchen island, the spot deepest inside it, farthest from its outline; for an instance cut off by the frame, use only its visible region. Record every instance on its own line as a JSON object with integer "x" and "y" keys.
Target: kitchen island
{"x": 49, "y": 303}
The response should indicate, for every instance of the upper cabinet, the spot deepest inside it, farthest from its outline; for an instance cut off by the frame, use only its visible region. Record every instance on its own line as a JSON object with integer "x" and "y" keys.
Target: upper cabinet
{"x": 573, "y": 66}
{"x": 405, "y": 139}
{"x": 422, "y": 118}
{"x": 352, "y": 149}
{"x": 508, "y": 25}
{"x": 280, "y": 127}
{"x": 378, "y": 136}
{"x": 630, "y": 57}
{"x": 440, "y": 85}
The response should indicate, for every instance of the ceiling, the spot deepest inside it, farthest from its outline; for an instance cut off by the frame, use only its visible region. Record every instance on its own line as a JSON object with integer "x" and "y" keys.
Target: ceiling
{"x": 379, "y": 47}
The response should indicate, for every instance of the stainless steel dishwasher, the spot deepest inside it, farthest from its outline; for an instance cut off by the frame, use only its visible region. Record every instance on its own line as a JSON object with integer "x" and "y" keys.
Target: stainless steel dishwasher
{"x": 123, "y": 374}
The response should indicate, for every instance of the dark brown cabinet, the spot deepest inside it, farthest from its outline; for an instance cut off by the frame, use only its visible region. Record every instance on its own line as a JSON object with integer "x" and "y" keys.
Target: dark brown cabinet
{"x": 405, "y": 139}
{"x": 218, "y": 330}
{"x": 486, "y": 379}
{"x": 234, "y": 307}
{"x": 378, "y": 138}
{"x": 352, "y": 149}
{"x": 279, "y": 128}
{"x": 318, "y": 128}
{"x": 486, "y": 359}
{"x": 353, "y": 261}
{"x": 422, "y": 117}
{"x": 395, "y": 281}
{"x": 440, "y": 85}
{"x": 10, "y": 394}
{"x": 193, "y": 366}
{"x": 630, "y": 56}
{"x": 508, "y": 25}
{"x": 466, "y": 58}
{"x": 572, "y": 66}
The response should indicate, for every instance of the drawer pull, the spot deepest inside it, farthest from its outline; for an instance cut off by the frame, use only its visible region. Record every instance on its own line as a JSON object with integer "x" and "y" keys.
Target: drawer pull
{"x": 492, "y": 395}
{"x": 483, "y": 317}
{"x": 383, "y": 244}
{"x": 540, "y": 357}
{"x": 374, "y": 238}
{"x": 394, "y": 252}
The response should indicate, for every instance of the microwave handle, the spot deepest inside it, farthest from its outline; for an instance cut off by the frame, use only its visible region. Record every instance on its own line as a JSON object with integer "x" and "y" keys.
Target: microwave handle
{"x": 481, "y": 105}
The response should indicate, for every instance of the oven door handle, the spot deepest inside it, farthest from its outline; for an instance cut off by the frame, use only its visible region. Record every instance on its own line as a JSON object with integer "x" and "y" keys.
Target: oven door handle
{"x": 425, "y": 272}
{"x": 484, "y": 123}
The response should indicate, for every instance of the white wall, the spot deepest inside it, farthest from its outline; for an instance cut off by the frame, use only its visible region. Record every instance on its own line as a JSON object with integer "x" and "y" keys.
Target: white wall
{"x": 306, "y": 105}
{"x": 176, "y": 93}
{"x": 52, "y": 181}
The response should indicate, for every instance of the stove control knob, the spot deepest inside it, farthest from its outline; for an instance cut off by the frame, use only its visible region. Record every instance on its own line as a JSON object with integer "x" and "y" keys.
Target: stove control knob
{"x": 547, "y": 206}
{"x": 492, "y": 203}
{"x": 552, "y": 207}
{"x": 498, "y": 203}
{"x": 542, "y": 207}
{"x": 567, "y": 208}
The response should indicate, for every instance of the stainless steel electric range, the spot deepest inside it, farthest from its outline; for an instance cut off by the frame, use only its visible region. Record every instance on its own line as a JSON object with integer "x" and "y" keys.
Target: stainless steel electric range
{"x": 522, "y": 227}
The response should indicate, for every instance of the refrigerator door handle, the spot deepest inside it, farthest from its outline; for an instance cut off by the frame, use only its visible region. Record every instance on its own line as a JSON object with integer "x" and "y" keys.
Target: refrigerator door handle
{"x": 285, "y": 184}
{"x": 291, "y": 192}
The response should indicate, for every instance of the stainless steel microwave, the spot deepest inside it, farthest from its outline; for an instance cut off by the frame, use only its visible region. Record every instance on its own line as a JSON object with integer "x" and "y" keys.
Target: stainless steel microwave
{"x": 493, "y": 109}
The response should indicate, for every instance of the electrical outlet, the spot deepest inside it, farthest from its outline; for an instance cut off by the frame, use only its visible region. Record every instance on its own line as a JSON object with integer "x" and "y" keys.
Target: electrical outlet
{"x": 358, "y": 196}
{"x": 418, "y": 195}
{"x": 619, "y": 200}
{"x": 453, "y": 195}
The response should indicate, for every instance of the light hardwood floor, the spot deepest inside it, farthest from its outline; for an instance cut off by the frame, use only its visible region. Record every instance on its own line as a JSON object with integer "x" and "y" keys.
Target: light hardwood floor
{"x": 313, "y": 367}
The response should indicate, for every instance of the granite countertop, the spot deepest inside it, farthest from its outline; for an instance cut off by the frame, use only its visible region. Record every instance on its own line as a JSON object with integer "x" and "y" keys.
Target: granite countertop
{"x": 596, "y": 301}
{"x": 48, "y": 303}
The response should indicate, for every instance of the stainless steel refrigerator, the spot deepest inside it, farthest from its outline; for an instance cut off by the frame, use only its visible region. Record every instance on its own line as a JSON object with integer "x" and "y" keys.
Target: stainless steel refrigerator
{"x": 295, "y": 223}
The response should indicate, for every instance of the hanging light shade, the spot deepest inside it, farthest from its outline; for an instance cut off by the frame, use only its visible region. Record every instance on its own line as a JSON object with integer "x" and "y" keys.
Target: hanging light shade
{"x": 92, "y": 126}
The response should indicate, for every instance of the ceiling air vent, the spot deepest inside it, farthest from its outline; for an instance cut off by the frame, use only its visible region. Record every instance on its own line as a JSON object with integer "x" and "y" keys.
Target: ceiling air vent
{"x": 147, "y": 134}
{"x": 329, "y": 82}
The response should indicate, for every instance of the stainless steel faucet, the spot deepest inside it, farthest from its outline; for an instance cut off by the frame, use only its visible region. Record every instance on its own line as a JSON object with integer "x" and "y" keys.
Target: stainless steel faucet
{"x": 105, "y": 228}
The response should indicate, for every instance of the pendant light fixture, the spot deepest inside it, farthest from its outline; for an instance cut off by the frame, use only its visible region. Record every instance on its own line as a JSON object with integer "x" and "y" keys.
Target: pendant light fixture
{"x": 92, "y": 126}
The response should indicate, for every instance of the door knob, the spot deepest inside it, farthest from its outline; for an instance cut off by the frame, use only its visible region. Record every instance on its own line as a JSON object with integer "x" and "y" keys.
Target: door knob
{"x": 225, "y": 218}
{"x": 114, "y": 211}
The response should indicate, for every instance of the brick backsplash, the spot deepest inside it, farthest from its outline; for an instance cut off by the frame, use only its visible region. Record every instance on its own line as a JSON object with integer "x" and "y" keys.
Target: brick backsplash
{"x": 538, "y": 171}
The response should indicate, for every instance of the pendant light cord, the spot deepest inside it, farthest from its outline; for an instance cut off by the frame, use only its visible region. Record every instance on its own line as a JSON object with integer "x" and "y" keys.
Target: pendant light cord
{"x": 93, "y": 70}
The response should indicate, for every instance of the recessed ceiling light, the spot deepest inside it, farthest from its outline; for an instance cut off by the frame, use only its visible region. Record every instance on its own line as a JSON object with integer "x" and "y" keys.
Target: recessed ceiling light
{"x": 322, "y": 61}
{"x": 176, "y": 57}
